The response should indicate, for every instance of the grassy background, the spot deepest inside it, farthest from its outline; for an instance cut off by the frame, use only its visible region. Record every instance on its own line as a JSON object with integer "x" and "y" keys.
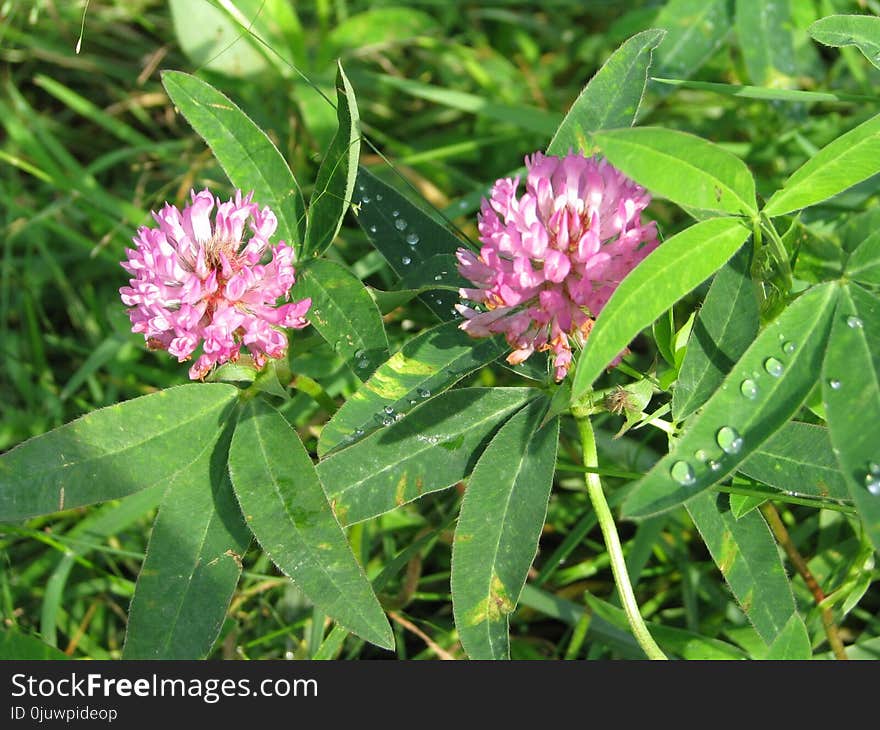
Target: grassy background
{"x": 91, "y": 144}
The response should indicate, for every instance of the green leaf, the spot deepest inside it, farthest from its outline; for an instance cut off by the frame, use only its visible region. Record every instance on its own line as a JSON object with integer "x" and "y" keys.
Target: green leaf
{"x": 851, "y": 393}
{"x": 798, "y": 459}
{"x": 15, "y": 646}
{"x": 246, "y": 154}
{"x": 192, "y": 565}
{"x": 113, "y": 451}
{"x": 746, "y": 554}
{"x": 862, "y": 31}
{"x": 335, "y": 183}
{"x": 764, "y": 32}
{"x": 285, "y": 506}
{"x": 434, "y": 447}
{"x": 344, "y": 314}
{"x": 381, "y": 27}
{"x": 695, "y": 30}
{"x": 686, "y": 169}
{"x": 742, "y": 504}
{"x": 781, "y": 364}
{"x": 612, "y": 97}
{"x": 426, "y": 365}
{"x": 668, "y": 273}
{"x": 863, "y": 264}
{"x": 725, "y": 326}
{"x": 792, "y": 643}
{"x": 849, "y": 159}
{"x": 407, "y": 238}
{"x": 496, "y": 538}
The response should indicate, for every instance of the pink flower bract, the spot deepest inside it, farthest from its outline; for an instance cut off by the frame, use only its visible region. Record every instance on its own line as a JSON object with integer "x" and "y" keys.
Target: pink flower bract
{"x": 551, "y": 258}
{"x": 197, "y": 281}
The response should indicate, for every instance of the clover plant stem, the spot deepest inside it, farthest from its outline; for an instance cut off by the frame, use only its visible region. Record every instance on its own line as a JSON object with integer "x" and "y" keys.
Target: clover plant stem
{"x": 780, "y": 253}
{"x": 612, "y": 542}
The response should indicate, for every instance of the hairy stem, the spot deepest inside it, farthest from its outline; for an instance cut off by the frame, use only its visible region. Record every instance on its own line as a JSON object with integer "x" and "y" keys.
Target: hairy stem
{"x": 784, "y": 539}
{"x": 612, "y": 542}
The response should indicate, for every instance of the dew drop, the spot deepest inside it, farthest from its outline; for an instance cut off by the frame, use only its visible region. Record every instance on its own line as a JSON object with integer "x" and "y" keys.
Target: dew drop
{"x": 406, "y": 260}
{"x": 854, "y": 323}
{"x": 395, "y": 213}
{"x": 400, "y": 224}
{"x": 388, "y": 420}
{"x": 361, "y": 188}
{"x": 834, "y": 384}
{"x": 423, "y": 393}
{"x": 366, "y": 199}
{"x": 874, "y": 468}
{"x": 682, "y": 472}
{"x": 701, "y": 455}
{"x": 359, "y": 432}
{"x": 372, "y": 229}
{"x": 360, "y": 354}
{"x": 437, "y": 277}
{"x": 389, "y": 410}
{"x": 872, "y": 484}
{"x": 412, "y": 238}
{"x": 749, "y": 388}
{"x": 378, "y": 196}
{"x": 729, "y": 440}
{"x": 773, "y": 366}
{"x": 789, "y": 347}
{"x": 714, "y": 465}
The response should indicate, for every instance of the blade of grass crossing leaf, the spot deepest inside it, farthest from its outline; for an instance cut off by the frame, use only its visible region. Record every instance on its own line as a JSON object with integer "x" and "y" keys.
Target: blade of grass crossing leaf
{"x": 113, "y": 451}
{"x": 747, "y": 556}
{"x": 192, "y": 565}
{"x": 665, "y": 276}
{"x": 682, "y": 167}
{"x": 285, "y": 506}
{"x": 862, "y": 31}
{"x": 432, "y": 448}
{"x": 849, "y": 159}
{"x": 851, "y": 393}
{"x": 335, "y": 184}
{"x": 496, "y": 538}
{"x": 426, "y": 365}
{"x": 763, "y": 390}
{"x": 344, "y": 313}
{"x": 612, "y": 97}
{"x": 246, "y": 154}
{"x": 724, "y": 327}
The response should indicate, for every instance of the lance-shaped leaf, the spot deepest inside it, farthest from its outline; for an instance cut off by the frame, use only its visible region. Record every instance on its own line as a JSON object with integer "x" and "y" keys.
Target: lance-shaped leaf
{"x": 248, "y": 157}
{"x": 682, "y": 167}
{"x": 407, "y": 238}
{"x": 344, "y": 313}
{"x": 849, "y": 159}
{"x": 793, "y": 642}
{"x": 612, "y": 97}
{"x": 695, "y": 30}
{"x": 724, "y": 327}
{"x": 192, "y": 565}
{"x": 286, "y": 509}
{"x": 665, "y": 276}
{"x": 748, "y": 558}
{"x": 113, "y": 451}
{"x": 432, "y": 448}
{"x": 761, "y": 393}
{"x": 862, "y": 31}
{"x": 863, "y": 264}
{"x": 335, "y": 183}
{"x": 428, "y": 364}
{"x": 798, "y": 459}
{"x": 851, "y": 393}
{"x": 496, "y": 538}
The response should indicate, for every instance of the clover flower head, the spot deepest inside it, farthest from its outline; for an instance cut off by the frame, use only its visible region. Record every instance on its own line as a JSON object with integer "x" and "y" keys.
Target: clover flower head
{"x": 551, "y": 258}
{"x": 201, "y": 281}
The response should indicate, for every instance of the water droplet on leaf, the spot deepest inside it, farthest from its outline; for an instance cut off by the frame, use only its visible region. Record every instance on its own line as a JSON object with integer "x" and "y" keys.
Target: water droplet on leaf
{"x": 400, "y": 224}
{"x": 854, "y": 323}
{"x": 406, "y": 260}
{"x": 729, "y": 440}
{"x": 789, "y": 347}
{"x": 683, "y": 473}
{"x": 774, "y": 367}
{"x": 423, "y": 393}
{"x": 412, "y": 238}
{"x": 749, "y": 388}
{"x": 834, "y": 384}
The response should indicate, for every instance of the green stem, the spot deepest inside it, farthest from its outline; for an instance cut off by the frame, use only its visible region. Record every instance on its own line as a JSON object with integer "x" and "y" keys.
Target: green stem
{"x": 612, "y": 542}
{"x": 780, "y": 253}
